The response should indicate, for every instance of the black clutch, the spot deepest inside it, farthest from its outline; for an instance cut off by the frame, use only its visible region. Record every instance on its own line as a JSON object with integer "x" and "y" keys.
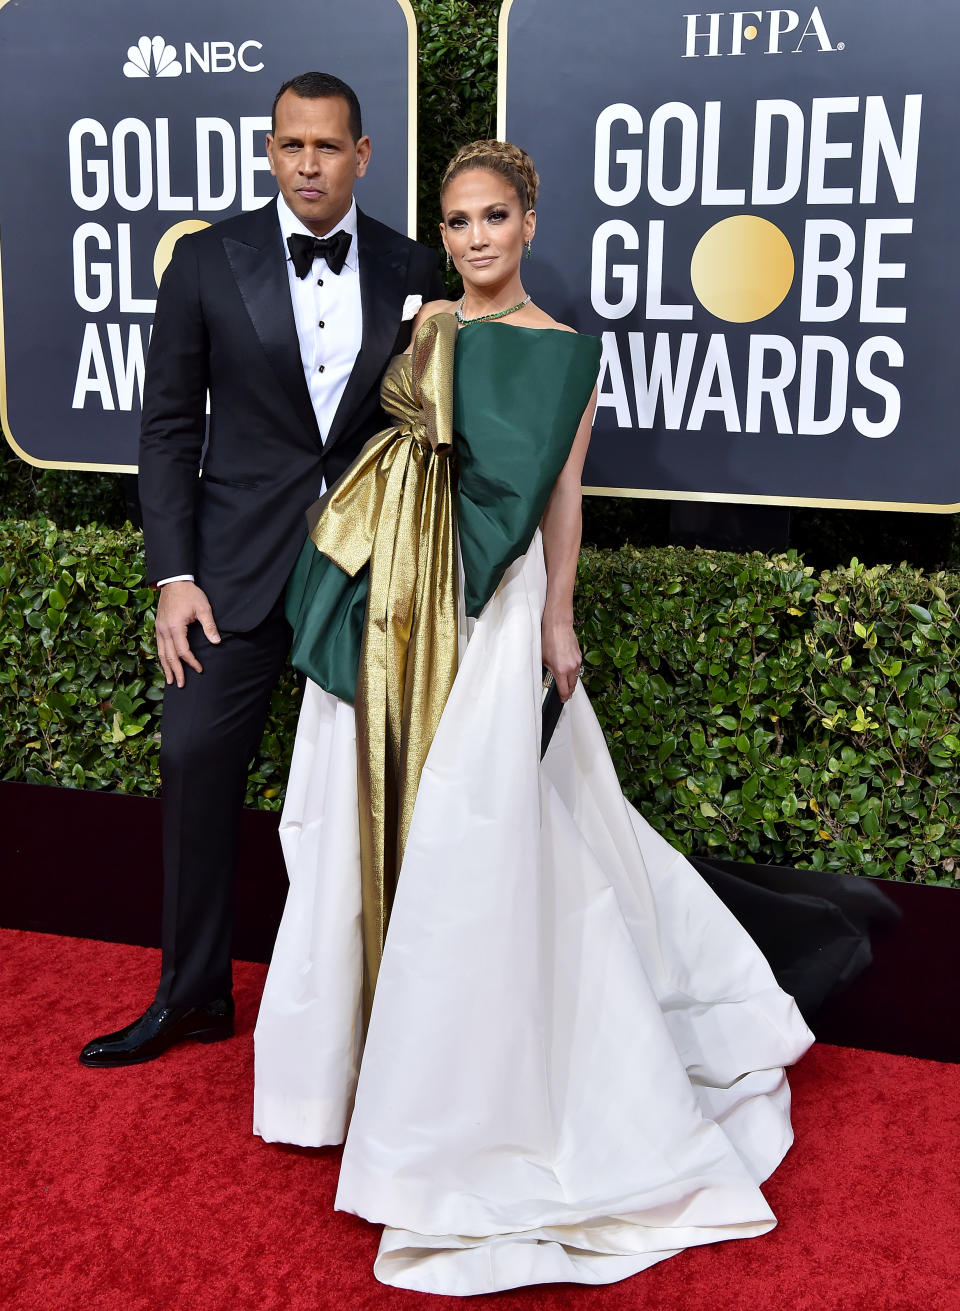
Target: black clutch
{"x": 551, "y": 707}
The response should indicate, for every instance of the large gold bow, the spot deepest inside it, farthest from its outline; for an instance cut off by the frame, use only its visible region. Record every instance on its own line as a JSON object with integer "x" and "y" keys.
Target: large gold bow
{"x": 395, "y": 508}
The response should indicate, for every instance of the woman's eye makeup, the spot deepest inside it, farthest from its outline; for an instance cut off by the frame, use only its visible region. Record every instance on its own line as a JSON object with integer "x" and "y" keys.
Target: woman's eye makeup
{"x": 495, "y": 216}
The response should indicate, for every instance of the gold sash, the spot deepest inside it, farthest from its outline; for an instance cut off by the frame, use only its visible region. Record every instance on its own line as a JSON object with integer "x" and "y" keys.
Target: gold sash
{"x": 395, "y": 508}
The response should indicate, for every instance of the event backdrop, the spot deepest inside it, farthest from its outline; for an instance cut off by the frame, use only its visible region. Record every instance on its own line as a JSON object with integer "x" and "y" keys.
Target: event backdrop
{"x": 757, "y": 211}
{"x": 127, "y": 123}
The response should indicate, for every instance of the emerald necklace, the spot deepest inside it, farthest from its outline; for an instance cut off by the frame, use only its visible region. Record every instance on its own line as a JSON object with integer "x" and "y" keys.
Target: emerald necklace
{"x": 483, "y": 318}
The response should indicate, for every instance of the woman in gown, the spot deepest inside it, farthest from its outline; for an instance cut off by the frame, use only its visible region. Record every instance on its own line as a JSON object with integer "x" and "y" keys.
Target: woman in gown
{"x": 564, "y": 1061}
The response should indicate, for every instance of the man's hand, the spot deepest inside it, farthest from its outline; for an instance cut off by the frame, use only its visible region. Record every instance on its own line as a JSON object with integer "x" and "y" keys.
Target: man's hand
{"x": 181, "y": 604}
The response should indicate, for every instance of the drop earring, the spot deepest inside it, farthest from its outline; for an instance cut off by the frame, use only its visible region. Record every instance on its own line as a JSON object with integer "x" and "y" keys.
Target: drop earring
{"x": 526, "y": 249}
{"x": 449, "y": 262}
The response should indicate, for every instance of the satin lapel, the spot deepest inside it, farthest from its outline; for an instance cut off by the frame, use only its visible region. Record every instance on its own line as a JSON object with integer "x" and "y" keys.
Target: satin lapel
{"x": 260, "y": 269}
{"x": 383, "y": 279}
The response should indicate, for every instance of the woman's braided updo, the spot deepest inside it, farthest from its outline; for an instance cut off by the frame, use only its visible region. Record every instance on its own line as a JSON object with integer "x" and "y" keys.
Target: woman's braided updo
{"x": 502, "y": 157}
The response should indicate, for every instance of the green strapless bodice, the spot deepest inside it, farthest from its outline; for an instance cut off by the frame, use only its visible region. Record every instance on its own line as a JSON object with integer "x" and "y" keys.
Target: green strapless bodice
{"x": 518, "y": 397}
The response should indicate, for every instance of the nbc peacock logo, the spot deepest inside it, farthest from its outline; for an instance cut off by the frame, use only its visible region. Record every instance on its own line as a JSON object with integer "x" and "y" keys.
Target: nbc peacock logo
{"x": 152, "y": 58}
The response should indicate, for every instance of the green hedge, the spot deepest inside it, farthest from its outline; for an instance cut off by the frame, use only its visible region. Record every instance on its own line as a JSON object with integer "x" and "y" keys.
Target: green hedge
{"x": 760, "y": 711}
{"x": 80, "y": 687}
{"x": 754, "y": 709}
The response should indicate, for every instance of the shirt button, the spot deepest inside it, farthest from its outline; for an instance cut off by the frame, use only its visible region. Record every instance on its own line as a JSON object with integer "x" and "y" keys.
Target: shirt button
{"x": 321, "y": 368}
{"x": 319, "y": 282}
{"x": 321, "y": 323}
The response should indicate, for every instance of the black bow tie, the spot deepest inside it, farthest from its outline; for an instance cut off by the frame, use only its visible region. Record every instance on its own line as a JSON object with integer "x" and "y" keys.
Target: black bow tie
{"x": 304, "y": 250}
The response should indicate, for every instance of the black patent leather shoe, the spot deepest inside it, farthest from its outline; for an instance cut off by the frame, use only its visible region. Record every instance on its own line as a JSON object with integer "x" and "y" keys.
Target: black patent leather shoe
{"x": 158, "y": 1029}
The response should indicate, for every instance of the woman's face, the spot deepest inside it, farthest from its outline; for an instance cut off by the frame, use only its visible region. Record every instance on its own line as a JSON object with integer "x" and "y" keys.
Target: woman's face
{"x": 484, "y": 227}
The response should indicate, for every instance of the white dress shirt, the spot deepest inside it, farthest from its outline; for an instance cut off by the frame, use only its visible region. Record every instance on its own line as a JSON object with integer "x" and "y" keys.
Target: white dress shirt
{"x": 329, "y": 319}
{"x": 326, "y": 307}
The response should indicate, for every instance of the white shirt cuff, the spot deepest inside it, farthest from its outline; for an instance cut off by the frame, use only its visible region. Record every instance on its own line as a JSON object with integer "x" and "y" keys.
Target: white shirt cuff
{"x": 177, "y": 578}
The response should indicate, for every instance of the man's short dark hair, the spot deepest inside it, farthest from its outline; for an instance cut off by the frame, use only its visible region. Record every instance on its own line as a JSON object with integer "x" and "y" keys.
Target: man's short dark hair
{"x": 316, "y": 86}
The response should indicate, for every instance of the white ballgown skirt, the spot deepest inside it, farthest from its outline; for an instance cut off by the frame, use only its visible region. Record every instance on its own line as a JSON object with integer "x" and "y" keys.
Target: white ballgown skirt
{"x": 574, "y": 1064}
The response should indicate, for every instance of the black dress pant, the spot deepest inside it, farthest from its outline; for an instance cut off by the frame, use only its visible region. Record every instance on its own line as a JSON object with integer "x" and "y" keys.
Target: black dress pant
{"x": 210, "y": 731}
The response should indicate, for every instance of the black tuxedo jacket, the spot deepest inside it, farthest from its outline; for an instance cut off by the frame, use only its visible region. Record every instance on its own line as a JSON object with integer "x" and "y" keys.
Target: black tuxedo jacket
{"x": 224, "y": 322}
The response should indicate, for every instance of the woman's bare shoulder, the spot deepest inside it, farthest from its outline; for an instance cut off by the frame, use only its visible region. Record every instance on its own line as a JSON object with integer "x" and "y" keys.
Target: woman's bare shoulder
{"x": 434, "y": 307}
{"x": 427, "y": 312}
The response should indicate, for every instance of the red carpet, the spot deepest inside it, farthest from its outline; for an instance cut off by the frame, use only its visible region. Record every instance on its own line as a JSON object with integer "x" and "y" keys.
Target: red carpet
{"x": 143, "y": 1189}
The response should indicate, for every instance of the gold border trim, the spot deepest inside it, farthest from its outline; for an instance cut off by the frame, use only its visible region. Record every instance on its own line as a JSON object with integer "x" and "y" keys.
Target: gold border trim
{"x": 740, "y": 498}
{"x": 502, "y": 31}
{"x": 411, "y": 20}
{"x": 412, "y": 121}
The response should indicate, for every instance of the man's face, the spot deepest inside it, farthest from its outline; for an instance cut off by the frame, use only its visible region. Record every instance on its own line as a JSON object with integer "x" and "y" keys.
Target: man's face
{"x": 315, "y": 159}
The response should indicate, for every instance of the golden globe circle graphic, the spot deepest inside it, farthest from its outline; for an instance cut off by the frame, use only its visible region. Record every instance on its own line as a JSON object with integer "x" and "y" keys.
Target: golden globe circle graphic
{"x": 742, "y": 268}
{"x": 161, "y": 256}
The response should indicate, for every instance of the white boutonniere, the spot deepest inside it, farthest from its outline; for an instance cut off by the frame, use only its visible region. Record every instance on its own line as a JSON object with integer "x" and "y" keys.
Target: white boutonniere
{"x": 410, "y": 307}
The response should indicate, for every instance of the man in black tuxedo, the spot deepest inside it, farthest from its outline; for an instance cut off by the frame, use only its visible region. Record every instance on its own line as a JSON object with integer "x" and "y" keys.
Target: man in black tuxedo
{"x": 287, "y": 315}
